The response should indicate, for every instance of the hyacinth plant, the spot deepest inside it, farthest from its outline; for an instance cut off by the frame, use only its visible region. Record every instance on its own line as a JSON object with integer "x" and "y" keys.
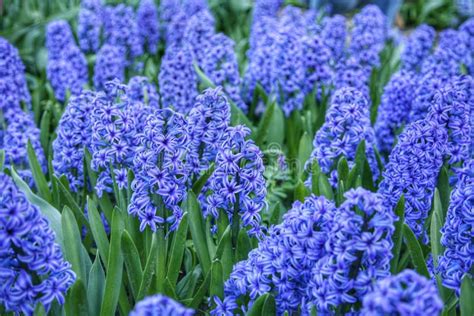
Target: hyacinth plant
{"x": 194, "y": 157}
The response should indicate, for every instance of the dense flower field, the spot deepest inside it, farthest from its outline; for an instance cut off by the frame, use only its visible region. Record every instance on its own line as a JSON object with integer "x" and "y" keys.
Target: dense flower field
{"x": 175, "y": 158}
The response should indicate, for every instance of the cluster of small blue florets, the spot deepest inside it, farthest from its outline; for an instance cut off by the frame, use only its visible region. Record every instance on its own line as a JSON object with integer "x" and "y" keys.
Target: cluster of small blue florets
{"x": 121, "y": 30}
{"x": 368, "y": 36}
{"x": 178, "y": 80}
{"x": 284, "y": 259}
{"x": 109, "y": 65}
{"x": 140, "y": 89}
{"x": 334, "y": 36}
{"x": 347, "y": 124}
{"x": 20, "y": 129}
{"x": 407, "y": 293}
{"x": 74, "y": 136}
{"x": 394, "y": 108}
{"x": 359, "y": 252}
{"x": 220, "y": 65}
{"x": 288, "y": 70}
{"x": 412, "y": 170}
{"x": 453, "y": 108}
{"x": 237, "y": 186}
{"x": 198, "y": 33}
{"x": 13, "y": 88}
{"x": 468, "y": 28}
{"x": 417, "y": 47}
{"x": 115, "y": 122}
{"x": 208, "y": 122}
{"x": 89, "y": 25}
{"x": 458, "y": 258}
{"x": 319, "y": 256}
{"x": 32, "y": 268}
{"x": 67, "y": 65}
{"x": 160, "y": 305}
{"x": 316, "y": 65}
{"x": 160, "y": 170}
{"x": 147, "y": 23}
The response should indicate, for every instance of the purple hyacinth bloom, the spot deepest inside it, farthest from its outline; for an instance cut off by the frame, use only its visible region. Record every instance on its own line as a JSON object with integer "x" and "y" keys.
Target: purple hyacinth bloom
{"x": 468, "y": 29}
{"x": 368, "y": 35}
{"x": 220, "y": 65}
{"x": 160, "y": 305}
{"x": 436, "y": 70}
{"x": 74, "y": 135}
{"x": 32, "y": 268}
{"x": 260, "y": 55}
{"x": 458, "y": 258}
{"x": 289, "y": 71}
{"x": 89, "y": 25}
{"x": 417, "y": 47}
{"x": 347, "y": 124}
{"x": 237, "y": 186}
{"x": 67, "y": 72}
{"x": 13, "y": 88}
{"x": 394, "y": 108}
{"x": 316, "y": 63}
{"x": 160, "y": 170}
{"x": 67, "y": 65}
{"x": 116, "y": 119}
{"x": 177, "y": 78}
{"x": 199, "y": 31}
{"x": 352, "y": 74}
{"x": 413, "y": 170}
{"x": 147, "y": 22}
{"x": 207, "y": 123}
{"x": 456, "y": 44}
{"x": 334, "y": 36}
{"x": 109, "y": 65}
{"x": 358, "y": 252}
{"x": 406, "y": 293}
{"x": 19, "y": 129}
{"x": 293, "y": 18}
{"x": 453, "y": 108}
{"x": 283, "y": 262}
{"x": 58, "y": 38}
{"x": 140, "y": 89}
{"x": 121, "y": 30}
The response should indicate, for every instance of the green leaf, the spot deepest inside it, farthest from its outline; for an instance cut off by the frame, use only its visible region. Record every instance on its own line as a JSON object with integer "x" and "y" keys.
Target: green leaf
{"x": 315, "y": 171}
{"x": 113, "y": 281}
{"x": 177, "y": 250}
{"x": 95, "y": 287}
{"x": 201, "y": 292}
{"x": 71, "y": 203}
{"x": 132, "y": 262}
{"x": 44, "y": 128}
{"x": 435, "y": 228}
{"x": 342, "y": 169}
{"x": 264, "y": 305}
{"x": 76, "y": 302}
{"x": 199, "y": 184}
{"x": 243, "y": 246}
{"x": 72, "y": 240}
{"x": 149, "y": 268}
{"x": 301, "y": 191}
{"x": 48, "y": 211}
{"x": 466, "y": 303}
{"x": 217, "y": 280}
{"x": 276, "y": 128}
{"x": 196, "y": 226}
{"x": 398, "y": 234}
{"x": 444, "y": 192}
{"x": 98, "y": 231}
{"x": 324, "y": 187}
{"x": 263, "y": 127}
{"x": 304, "y": 151}
{"x": 416, "y": 253}
{"x": 38, "y": 175}
{"x": 2, "y": 159}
